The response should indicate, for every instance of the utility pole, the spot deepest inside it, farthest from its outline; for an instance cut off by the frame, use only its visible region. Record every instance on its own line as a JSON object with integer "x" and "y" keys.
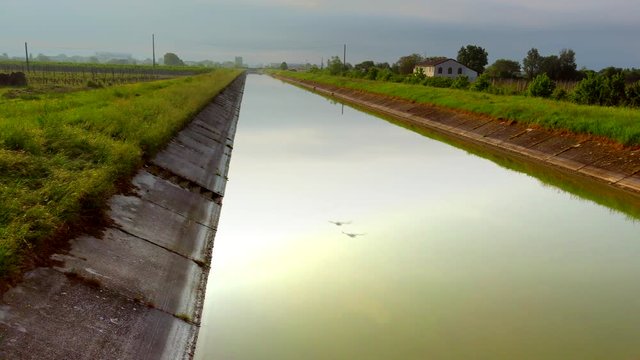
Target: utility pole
{"x": 153, "y": 49}
{"x": 344, "y": 57}
{"x": 26, "y": 55}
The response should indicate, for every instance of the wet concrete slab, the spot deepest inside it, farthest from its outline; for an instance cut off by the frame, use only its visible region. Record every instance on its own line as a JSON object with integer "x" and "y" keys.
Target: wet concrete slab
{"x": 453, "y": 120}
{"x": 557, "y": 144}
{"x": 522, "y": 150}
{"x": 195, "y": 142}
{"x": 625, "y": 163}
{"x": 531, "y": 137}
{"x": 203, "y": 173}
{"x": 176, "y": 199}
{"x": 566, "y": 163}
{"x": 144, "y": 271}
{"x": 585, "y": 153}
{"x": 52, "y": 316}
{"x": 508, "y": 132}
{"x": 472, "y": 125}
{"x": 162, "y": 227}
{"x": 199, "y": 136}
{"x": 608, "y": 175}
{"x": 201, "y": 152}
{"x": 631, "y": 182}
{"x": 491, "y": 127}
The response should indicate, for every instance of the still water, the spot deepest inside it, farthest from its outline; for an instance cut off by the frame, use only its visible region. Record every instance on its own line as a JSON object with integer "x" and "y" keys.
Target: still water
{"x": 458, "y": 259}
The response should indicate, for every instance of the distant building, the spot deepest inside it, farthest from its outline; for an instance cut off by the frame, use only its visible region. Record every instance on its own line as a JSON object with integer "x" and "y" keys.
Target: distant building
{"x": 444, "y": 67}
{"x": 239, "y": 63}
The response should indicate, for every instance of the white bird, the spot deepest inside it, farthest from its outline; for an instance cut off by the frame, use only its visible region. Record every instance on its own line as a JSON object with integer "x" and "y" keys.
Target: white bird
{"x": 352, "y": 235}
{"x": 340, "y": 223}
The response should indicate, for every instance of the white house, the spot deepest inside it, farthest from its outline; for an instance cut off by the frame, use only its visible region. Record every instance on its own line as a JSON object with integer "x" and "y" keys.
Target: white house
{"x": 445, "y": 68}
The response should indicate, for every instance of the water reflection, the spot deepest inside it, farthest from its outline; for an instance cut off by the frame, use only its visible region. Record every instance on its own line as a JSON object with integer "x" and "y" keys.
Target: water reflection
{"x": 461, "y": 258}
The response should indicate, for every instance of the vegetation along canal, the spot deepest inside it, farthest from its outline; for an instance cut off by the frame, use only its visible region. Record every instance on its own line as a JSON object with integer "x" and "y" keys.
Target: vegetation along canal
{"x": 443, "y": 254}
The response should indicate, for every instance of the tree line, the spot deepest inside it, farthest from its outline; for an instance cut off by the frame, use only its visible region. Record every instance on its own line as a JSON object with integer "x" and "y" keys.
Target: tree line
{"x": 541, "y": 75}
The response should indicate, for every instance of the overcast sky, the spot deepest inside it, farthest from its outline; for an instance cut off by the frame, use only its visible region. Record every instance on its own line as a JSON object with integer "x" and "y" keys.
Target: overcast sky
{"x": 602, "y": 33}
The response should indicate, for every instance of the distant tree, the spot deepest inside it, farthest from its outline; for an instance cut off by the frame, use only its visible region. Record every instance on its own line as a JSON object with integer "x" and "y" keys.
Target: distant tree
{"x": 334, "y": 66}
{"x": 532, "y": 64}
{"x": 284, "y": 66}
{"x": 550, "y": 65}
{"x": 633, "y": 94}
{"x": 172, "y": 59}
{"x": 568, "y": 65}
{"x": 632, "y": 75}
{"x": 610, "y": 71}
{"x": 42, "y": 58}
{"x": 364, "y": 66}
{"x": 93, "y": 60}
{"x": 406, "y": 64}
{"x": 504, "y": 69}
{"x": 473, "y": 57}
{"x": 372, "y": 73}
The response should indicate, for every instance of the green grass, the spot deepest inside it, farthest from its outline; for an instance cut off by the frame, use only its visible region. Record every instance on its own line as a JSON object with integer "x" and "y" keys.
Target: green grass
{"x": 16, "y": 65}
{"x": 61, "y": 154}
{"x": 619, "y": 124}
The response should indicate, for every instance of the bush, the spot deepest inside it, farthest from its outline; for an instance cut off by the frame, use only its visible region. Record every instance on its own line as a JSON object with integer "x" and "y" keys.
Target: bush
{"x": 633, "y": 94}
{"x": 541, "y": 86}
{"x": 384, "y": 75}
{"x": 439, "y": 82}
{"x": 461, "y": 82}
{"x": 601, "y": 90}
{"x": 560, "y": 94}
{"x": 613, "y": 92}
{"x": 588, "y": 91}
{"x": 414, "y": 78}
{"x": 372, "y": 73}
{"x": 93, "y": 84}
{"x": 482, "y": 83}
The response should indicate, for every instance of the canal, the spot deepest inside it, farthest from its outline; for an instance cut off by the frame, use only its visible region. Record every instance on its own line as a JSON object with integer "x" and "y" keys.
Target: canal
{"x": 451, "y": 256}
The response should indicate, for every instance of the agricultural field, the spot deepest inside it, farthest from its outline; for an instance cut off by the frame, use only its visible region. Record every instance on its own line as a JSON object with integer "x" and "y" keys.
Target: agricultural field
{"x": 63, "y": 153}
{"x": 94, "y": 75}
{"x": 620, "y": 124}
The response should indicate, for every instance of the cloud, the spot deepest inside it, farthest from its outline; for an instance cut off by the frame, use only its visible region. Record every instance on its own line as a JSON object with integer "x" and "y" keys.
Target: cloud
{"x": 520, "y": 13}
{"x": 264, "y": 31}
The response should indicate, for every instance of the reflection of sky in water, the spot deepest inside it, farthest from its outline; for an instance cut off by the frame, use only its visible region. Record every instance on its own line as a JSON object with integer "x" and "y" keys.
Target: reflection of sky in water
{"x": 461, "y": 258}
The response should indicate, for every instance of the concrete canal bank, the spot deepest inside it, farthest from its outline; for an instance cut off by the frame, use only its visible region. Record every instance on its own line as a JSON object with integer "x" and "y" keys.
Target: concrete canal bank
{"x": 136, "y": 292}
{"x": 582, "y": 155}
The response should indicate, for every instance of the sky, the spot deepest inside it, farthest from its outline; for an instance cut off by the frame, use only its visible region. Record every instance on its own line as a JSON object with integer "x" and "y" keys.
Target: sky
{"x": 602, "y": 33}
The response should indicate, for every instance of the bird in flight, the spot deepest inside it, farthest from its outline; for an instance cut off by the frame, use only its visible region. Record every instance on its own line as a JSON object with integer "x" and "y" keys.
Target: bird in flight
{"x": 352, "y": 235}
{"x": 340, "y": 223}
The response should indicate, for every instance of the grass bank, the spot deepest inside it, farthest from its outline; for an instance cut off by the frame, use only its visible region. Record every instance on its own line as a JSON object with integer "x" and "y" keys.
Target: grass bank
{"x": 621, "y": 125}
{"x": 61, "y": 154}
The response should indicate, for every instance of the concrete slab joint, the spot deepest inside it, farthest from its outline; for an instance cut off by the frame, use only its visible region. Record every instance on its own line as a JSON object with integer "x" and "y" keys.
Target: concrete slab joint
{"x": 137, "y": 291}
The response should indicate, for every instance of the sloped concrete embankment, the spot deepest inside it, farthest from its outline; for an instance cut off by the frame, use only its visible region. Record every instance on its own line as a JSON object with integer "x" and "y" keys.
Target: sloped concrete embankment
{"x": 137, "y": 291}
{"x": 581, "y": 155}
